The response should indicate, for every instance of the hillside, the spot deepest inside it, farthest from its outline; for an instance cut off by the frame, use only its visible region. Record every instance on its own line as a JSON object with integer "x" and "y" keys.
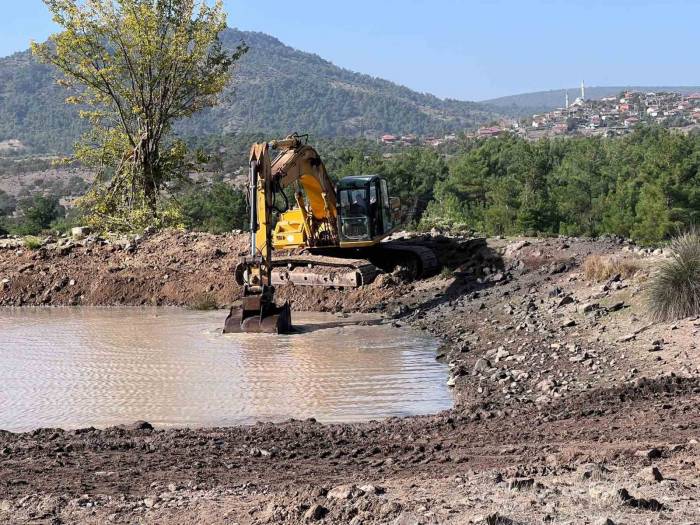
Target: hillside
{"x": 526, "y": 104}
{"x": 276, "y": 89}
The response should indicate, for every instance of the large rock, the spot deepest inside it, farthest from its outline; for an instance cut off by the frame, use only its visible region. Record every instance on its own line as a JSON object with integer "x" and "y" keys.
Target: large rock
{"x": 372, "y": 489}
{"x": 567, "y": 299}
{"x": 138, "y": 425}
{"x": 589, "y": 307}
{"x": 652, "y": 453}
{"x": 546, "y": 385}
{"x": 606, "y": 495}
{"x": 515, "y": 247}
{"x": 80, "y": 232}
{"x": 482, "y": 365}
{"x": 502, "y": 353}
{"x": 343, "y": 492}
{"x": 650, "y": 474}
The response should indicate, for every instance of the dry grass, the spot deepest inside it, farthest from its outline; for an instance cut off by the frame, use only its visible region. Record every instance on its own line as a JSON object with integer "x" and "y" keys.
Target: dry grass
{"x": 601, "y": 268}
{"x": 674, "y": 292}
{"x": 32, "y": 242}
{"x": 446, "y": 273}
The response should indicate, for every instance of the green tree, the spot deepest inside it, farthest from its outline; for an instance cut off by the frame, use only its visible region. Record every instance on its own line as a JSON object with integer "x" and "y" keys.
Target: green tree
{"x": 136, "y": 67}
{"x": 7, "y": 203}
{"x": 500, "y": 217}
{"x": 653, "y": 221}
{"x": 217, "y": 209}
{"x": 36, "y": 214}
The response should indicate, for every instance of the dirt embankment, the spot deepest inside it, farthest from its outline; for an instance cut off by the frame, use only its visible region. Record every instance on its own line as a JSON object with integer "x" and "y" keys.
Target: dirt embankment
{"x": 571, "y": 406}
{"x": 178, "y": 269}
{"x": 163, "y": 269}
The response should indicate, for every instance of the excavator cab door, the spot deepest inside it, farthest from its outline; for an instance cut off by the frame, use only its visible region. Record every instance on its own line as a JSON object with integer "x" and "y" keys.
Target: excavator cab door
{"x": 354, "y": 218}
{"x": 385, "y": 207}
{"x": 365, "y": 211}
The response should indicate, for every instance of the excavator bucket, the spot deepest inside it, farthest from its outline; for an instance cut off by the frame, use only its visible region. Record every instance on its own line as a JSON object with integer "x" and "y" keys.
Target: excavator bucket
{"x": 257, "y": 315}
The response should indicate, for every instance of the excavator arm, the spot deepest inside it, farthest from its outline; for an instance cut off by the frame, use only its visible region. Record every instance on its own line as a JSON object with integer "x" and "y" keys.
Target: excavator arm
{"x": 296, "y": 163}
{"x": 258, "y": 311}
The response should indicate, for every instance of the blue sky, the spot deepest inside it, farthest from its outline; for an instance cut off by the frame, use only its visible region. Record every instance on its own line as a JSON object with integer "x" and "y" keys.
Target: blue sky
{"x": 469, "y": 50}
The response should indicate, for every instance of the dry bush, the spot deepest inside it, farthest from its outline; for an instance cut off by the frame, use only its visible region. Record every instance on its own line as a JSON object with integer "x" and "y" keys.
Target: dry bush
{"x": 674, "y": 292}
{"x": 602, "y": 268}
{"x": 32, "y": 243}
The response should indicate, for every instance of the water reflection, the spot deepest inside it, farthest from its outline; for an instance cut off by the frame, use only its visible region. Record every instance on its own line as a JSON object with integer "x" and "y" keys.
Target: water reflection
{"x": 104, "y": 366}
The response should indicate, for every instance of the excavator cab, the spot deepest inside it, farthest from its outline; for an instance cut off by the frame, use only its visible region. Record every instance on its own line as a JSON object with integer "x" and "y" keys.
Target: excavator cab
{"x": 366, "y": 211}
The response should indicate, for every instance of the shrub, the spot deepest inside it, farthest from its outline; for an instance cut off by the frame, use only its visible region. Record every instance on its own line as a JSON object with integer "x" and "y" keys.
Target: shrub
{"x": 72, "y": 218}
{"x": 41, "y": 210}
{"x": 446, "y": 273}
{"x": 31, "y": 242}
{"x": 601, "y": 268}
{"x": 674, "y": 292}
{"x": 216, "y": 209}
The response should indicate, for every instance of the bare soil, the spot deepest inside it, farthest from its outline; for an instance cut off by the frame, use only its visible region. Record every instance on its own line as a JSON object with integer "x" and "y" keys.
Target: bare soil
{"x": 571, "y": 407}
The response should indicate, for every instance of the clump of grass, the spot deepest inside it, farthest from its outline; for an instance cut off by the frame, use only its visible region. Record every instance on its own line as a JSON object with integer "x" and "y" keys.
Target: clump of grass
{"x": 446, "y": 273}
{"x": 32, "y": 243}
{"x": 602, "y": 268}
{"x": 204, "y": 301}
{"x": 674, "y": 292}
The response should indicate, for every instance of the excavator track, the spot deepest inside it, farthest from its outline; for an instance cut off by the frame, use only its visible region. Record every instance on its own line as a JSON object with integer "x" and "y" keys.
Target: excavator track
{"x": 319, "y": 270}
{"x": 425, "y": 261}
{"x": 337, "y": 271}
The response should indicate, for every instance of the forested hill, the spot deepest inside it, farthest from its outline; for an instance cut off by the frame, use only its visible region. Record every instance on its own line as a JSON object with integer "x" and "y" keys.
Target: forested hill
{"x": 276, "y": 89}
{"x": 525, "y": 104}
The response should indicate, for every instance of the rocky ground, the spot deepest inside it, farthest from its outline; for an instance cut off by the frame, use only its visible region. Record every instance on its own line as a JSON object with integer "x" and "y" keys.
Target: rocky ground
{"x": 571, "y": 407}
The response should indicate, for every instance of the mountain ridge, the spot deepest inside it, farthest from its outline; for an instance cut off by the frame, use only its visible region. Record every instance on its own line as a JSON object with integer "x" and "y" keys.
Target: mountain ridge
{"x": 276, "y": 89}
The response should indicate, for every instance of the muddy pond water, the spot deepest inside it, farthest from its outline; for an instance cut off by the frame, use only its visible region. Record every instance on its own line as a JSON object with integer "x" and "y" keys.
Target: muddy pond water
{"x": 79, "y": 367}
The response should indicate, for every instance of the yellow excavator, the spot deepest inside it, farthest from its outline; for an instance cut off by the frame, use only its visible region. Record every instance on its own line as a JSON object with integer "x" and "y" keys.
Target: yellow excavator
{"x": 331, "y": 236}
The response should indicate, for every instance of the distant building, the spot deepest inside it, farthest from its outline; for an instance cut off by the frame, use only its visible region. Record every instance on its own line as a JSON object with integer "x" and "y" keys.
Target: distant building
{"x": 389, "y": 139}
{"x": 560, "y": 128}
{"x": 490, "y": 131}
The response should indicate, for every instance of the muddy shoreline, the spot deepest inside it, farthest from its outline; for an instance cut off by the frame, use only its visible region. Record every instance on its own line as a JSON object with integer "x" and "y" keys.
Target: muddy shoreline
{"x": 571, "y": 406}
